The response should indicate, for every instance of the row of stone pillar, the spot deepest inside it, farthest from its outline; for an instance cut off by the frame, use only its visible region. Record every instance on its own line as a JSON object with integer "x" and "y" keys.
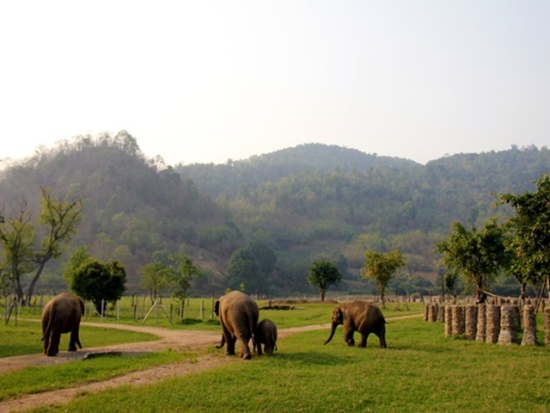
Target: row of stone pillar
{"x": 489, "y": 323}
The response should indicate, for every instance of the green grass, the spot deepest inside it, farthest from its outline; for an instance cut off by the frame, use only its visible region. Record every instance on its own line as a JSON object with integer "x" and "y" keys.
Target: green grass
{"x": 25, "y": 338}
{"x": 421, "y": 371}
{"x": 41, "y": 379}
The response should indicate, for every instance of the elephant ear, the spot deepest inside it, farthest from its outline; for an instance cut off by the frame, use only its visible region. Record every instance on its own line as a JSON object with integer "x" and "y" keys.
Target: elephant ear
{"x": 217, "y": 307}
{"x": 337, "y": 316}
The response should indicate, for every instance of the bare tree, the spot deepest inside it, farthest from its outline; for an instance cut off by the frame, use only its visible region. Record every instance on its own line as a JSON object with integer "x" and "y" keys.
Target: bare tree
{"x": 23, "y": 254}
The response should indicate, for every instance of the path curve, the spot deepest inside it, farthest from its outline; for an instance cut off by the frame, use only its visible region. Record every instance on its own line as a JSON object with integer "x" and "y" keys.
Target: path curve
{"x": 168, "y": 339}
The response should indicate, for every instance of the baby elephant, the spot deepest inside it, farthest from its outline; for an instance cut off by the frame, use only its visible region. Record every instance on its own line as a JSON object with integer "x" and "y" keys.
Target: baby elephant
{"x": 266, "y": 333}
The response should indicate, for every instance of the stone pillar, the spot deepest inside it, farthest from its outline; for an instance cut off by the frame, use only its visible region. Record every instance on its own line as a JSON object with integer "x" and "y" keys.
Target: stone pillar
{"x": 435, "y": 311}
{"x": 529, "y": 326}
{"x": 493, "y": 323}
{"x": 441, "y": 313}
{"x": 427, "y": 311}
{"x": 448, "y": 321}
{"x": 458, "y": 322}
{"x": 508, "y": 333}
{"x": 481, "y": 322}
{"x": 470, "y": 322}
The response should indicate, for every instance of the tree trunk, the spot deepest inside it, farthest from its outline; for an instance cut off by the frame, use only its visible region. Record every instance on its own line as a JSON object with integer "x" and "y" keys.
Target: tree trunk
{"x": 522, "y": 288}
{"x": 35, "y": 280}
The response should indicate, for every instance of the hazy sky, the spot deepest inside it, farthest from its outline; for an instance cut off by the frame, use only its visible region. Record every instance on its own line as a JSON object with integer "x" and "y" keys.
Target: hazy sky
{"x": 207, "y": 81}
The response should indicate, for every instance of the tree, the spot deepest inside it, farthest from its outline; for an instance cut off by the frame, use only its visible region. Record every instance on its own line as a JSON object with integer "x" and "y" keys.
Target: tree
{"x": 530, "y": 234}
{"x": 98, "y": 282}
{"x": 323, "y": 274}
{"x": 154, "y": 278}
{"x": 380, "y": 267}
{"x": 181, "y": 275}
{"x": 243, "y": 268}
{"x": 477, "y": 256}
{"x": 23, "y": 254}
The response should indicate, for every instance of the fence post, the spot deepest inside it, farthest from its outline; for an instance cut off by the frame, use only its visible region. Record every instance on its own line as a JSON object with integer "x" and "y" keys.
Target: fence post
{"x": 202, "y": 310}
{"x": 529, "y": 326}
{"x": 508, "y": 333}
{"x": 448, "y": 321}
{"x": 481, "y": 322}
{"x": 471, "y": 322}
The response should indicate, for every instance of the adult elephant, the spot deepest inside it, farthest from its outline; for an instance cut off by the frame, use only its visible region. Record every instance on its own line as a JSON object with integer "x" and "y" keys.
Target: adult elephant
{"x": 61, "y": 315}
{"x": 359, "y": 316}
{"x": 266, "y": 334}
{"x": 239, "y": 315}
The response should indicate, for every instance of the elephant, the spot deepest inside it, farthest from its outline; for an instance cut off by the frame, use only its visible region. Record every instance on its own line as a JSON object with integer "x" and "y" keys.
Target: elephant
{"x": 266, "y": 333}
{"x": 359, "y": 316}
{"x": 60, "y": 315}
{"x": 239, "y": 315}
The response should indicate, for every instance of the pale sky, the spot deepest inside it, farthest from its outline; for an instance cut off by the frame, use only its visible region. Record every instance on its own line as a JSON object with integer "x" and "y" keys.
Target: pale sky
{"x": 207, "y": 81}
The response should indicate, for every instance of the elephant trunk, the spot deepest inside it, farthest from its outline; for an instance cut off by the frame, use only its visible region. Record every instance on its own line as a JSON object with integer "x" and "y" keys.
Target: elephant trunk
{"x": 332, "y": 331}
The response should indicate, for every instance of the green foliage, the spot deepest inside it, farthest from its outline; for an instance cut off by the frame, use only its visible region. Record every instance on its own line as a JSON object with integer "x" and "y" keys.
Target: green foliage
{"x": 380, "y": 267}
{"x": 98, "y": 282}
{"x": 154, "y": 278}
{"x": 58, "y": 222}
{"x": 529, "y": 242}
{"x": 300, "y": 202}
{"x": 243, "y": 270}
{"x": 478, "y": 256}
{"x": 323, "y": 274}
{"x": 181, "y": 275}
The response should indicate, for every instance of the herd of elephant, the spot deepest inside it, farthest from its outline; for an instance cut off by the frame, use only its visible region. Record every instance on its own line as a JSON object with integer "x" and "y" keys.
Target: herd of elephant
{"x": 239, "y": 319}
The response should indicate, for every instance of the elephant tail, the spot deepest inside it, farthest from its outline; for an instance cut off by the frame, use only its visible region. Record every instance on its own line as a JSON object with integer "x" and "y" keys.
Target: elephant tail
{"x": 252, "y": 327}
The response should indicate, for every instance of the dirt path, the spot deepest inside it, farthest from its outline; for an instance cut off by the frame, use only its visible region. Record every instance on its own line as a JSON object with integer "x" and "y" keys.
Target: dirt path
{"x": 168, "y": 339}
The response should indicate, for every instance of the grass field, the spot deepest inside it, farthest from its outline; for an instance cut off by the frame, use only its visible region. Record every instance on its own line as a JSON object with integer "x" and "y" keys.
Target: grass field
{"x": 421, "y": 371}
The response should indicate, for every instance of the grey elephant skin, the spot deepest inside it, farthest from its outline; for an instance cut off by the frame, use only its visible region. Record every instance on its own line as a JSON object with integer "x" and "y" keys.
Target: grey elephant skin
{"x": 359, "y": 316}
{"x": 266, "y": 334}
{"x": 239, "y": 315}
{"x": 61, "y": 315}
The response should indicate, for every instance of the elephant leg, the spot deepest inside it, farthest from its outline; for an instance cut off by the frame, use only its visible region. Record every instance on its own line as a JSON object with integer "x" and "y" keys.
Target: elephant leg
{"x": 53, "y": 348}
{"x": 230, "y": 342}
{"x": 73, "y": 340}
{"x": 364, "y": 340}
{"x": 258, "y": 347}
{"x": 46, "y": 343}
{"x": 348, "y": 337}
{"x": 382, "y": 338}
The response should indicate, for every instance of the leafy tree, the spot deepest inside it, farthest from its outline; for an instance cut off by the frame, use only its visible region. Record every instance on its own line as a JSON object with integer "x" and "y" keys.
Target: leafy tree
{"x": 181, "y": 275}
{"x": 243, "y": 268}
{"x": 477, "y": 256}
{"x": 265, "y": 256}
{"x": 98, "y": 282}
{"x": 323, "y": 274}
{"x": 18, "y": 236}
{"x": 530, "y": 234}
{"x": 380, "y": 267}
{"x": 154, "y": 278}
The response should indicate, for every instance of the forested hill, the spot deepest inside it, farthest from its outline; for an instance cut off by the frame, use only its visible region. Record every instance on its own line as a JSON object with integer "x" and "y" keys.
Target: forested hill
{"x": 301, "y": 203}
{"x": 301, "y": 160}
